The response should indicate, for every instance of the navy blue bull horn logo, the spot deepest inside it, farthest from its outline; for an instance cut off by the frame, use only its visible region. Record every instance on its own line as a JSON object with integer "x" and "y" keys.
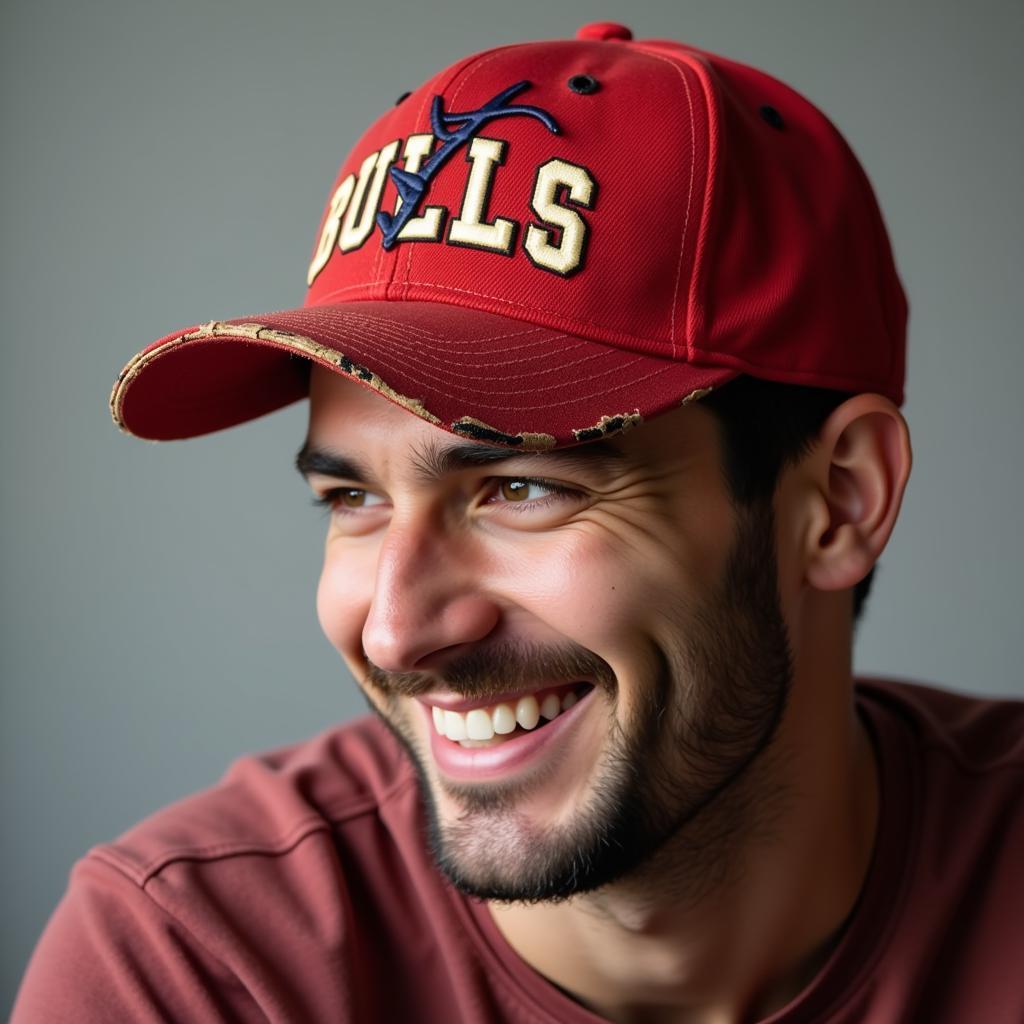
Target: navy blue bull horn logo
{"x": 412, "y": 186}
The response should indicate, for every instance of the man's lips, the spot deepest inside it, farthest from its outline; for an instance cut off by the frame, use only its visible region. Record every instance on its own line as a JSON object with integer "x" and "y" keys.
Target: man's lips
{"x": 456, "y": 702}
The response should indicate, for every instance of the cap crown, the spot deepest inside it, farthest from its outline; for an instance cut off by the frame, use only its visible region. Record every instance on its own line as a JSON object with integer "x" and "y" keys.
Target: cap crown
{"x": 646, "y": 195}
{"x": 553, "y": 242}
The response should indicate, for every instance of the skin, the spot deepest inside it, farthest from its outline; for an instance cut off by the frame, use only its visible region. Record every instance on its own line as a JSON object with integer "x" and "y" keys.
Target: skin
{"x": 718, "y": 642}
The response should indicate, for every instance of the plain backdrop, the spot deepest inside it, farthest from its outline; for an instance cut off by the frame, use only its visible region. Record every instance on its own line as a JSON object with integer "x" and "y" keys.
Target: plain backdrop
{"x": 167, "y": 163}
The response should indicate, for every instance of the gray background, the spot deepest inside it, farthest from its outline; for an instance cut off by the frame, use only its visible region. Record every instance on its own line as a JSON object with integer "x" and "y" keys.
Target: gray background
{"x": 165, "y": 163}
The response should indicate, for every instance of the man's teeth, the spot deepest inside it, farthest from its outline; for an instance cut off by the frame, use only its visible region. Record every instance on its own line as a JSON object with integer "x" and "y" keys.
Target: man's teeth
{"x": 502, "y": 719}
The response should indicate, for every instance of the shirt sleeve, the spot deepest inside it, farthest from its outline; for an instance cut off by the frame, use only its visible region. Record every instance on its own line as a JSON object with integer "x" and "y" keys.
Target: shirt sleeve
{"x": 110, "y": 953}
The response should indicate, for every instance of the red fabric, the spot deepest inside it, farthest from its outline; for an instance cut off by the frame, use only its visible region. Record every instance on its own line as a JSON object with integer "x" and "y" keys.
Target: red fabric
{"x": 512, "y": 376}
{"x": 604, "y": 30}
{"x": 299, "y": 889}
{"x": 717, "y": 243}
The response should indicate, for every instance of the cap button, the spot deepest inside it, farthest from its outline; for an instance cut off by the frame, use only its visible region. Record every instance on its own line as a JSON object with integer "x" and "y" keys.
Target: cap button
{"x": 604, "y": 30}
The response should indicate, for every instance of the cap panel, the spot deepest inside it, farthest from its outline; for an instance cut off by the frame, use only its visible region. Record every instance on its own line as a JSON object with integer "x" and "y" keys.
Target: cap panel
{"x": 366, "y": 268}
{"x": 795, "y": 261}
{"x": 646, "y": 122}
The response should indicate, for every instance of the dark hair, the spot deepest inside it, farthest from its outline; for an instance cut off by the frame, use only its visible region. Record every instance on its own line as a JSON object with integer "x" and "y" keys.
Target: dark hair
{"x": 766, "y": 427}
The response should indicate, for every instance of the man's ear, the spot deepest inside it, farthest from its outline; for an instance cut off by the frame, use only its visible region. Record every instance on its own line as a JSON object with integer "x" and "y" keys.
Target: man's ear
{"x": 860, "y": 468}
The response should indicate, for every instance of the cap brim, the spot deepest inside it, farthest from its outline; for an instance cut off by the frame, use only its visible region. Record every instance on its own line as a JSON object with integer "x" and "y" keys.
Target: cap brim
{"x": 476, "y": 374}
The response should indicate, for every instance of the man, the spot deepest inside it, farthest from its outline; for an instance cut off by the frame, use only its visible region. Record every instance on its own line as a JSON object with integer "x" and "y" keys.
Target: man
{"x": 604, "y": 349}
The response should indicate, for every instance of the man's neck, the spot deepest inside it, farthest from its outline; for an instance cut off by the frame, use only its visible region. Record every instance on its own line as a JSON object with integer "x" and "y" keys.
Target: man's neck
{"x": 733, "y": 918}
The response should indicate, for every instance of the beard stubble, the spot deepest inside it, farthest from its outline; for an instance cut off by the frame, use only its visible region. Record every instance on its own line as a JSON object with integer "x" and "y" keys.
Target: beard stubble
{"x": 682, "y": 785}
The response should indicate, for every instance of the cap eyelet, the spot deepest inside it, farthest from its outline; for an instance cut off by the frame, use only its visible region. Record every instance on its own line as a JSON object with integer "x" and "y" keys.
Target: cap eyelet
{"x": 583, "y": 84}
{"x": 772, "y": 117}
{"x": 402, "y": 98}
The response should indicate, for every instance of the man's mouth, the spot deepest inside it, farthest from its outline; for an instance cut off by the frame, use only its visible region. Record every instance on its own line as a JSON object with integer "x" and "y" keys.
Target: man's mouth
{"x": 530, "y": 739}
{"x": 486, "y": 726}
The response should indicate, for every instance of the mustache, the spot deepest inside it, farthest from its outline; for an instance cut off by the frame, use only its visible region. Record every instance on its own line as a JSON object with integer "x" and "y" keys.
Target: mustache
{"x": 486, "y": 672}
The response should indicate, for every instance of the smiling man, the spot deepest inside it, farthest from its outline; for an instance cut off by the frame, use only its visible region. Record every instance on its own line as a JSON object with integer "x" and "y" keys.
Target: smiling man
{"x": 604, "y": 353}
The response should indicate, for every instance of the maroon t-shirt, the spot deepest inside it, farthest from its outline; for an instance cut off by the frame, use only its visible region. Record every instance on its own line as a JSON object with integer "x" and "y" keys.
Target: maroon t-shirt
{"x": 299, "y": 889}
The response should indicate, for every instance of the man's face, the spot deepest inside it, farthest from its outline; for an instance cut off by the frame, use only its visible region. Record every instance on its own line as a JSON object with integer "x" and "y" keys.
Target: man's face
{"x": 621, "y": 575}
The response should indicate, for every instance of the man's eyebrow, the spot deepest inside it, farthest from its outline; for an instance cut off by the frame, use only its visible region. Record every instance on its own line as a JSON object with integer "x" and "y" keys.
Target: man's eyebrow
{"x": 437, "y": 460}
{"x": 323, "y": 462}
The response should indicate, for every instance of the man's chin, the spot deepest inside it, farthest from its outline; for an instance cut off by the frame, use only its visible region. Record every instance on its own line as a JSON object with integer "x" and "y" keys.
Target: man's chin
{"x": 505, "y": 843}
{"x": 508, "y": 862}
{"x": 539, "y": 834}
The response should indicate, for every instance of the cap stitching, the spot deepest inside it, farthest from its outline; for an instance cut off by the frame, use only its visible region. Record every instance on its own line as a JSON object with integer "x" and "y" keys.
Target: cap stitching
{"x": 345, "y": 316}
{"x": 604, "y": 393}
{"x": 421, "y": 335}
{"x": 468, "y": 73}
{"x": 411, "y": 370}
{"x": 689, "y": 198}
{"x": 428, "y": 89}
{"x": 390, "y": 330}
{"x": 411, "y": 348}
{"x": 391, "y": 333}
{"x": 471, "y": 345}
{"x": 496, "y": 298}
{"x": 419, "y": 116}
{"x": 430, "y": 384}
{"x": 411, "y": 359}
{"x": 449, "y": 367}
{"x": 511, "y": 302}
{"x": 843, "y": 381}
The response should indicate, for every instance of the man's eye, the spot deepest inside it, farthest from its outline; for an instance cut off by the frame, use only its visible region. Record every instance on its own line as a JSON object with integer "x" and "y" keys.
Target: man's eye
{"x": 521, "y": 490}
{"x": 525, "y": 491}
{"x": 351, "y": 498}
{"x": 341, "y": 499}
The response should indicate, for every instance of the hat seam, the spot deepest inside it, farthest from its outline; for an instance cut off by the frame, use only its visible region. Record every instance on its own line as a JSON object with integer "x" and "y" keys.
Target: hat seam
{"x": 408, "y": 347}
{"x": 467, "y": 71}
{"x": 713, "y": 360}
{"x": 689, "y": 198}
{"x": 434, "y": 286}
{"x": 343, "y": 316}
{"x": 469, "y": 394}
{"x": 394, "y": 336}
{"x": 419, "y": 117}
{"x": 429, "y": 87}
{"x": 408, "y": 360}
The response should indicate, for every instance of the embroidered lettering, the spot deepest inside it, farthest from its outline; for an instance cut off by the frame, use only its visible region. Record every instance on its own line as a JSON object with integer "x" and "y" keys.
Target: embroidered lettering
{"x": 469, "y": 228}
{"x": 428, "y": 227}
{"x": 359, "y": 218}
{"x": 332, "y": 225}
{"x": 566, "y": 256}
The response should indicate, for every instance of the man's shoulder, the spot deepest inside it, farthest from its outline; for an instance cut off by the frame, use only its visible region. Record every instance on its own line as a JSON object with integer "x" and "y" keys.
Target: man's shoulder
{"x": 268, "y": 802}
{"x": 288, "y": 884}
{"x": 938, "y": 922}
{"x": 977, "y": 733}
{"x": 952, "y": 777}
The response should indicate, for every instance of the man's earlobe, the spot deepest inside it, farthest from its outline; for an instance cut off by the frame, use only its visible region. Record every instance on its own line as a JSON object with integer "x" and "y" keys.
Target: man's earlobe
{"x": 863, "y": 463}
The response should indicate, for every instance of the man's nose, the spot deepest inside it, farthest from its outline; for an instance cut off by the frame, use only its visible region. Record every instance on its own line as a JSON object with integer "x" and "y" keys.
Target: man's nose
{"x": 428, "y": 598}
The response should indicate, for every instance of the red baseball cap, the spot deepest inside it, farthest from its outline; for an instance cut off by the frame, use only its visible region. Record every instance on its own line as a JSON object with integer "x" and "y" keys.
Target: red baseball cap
{"x": 551, "y": 242}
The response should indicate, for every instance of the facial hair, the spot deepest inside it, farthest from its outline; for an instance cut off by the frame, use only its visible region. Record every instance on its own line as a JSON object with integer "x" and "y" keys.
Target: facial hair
{"x": 675, "y": 778}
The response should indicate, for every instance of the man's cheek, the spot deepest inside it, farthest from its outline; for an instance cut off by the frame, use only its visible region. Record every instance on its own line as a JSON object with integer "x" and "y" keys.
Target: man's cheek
{"x": 596, "y": 599}
{"x": 343, "y": 599}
